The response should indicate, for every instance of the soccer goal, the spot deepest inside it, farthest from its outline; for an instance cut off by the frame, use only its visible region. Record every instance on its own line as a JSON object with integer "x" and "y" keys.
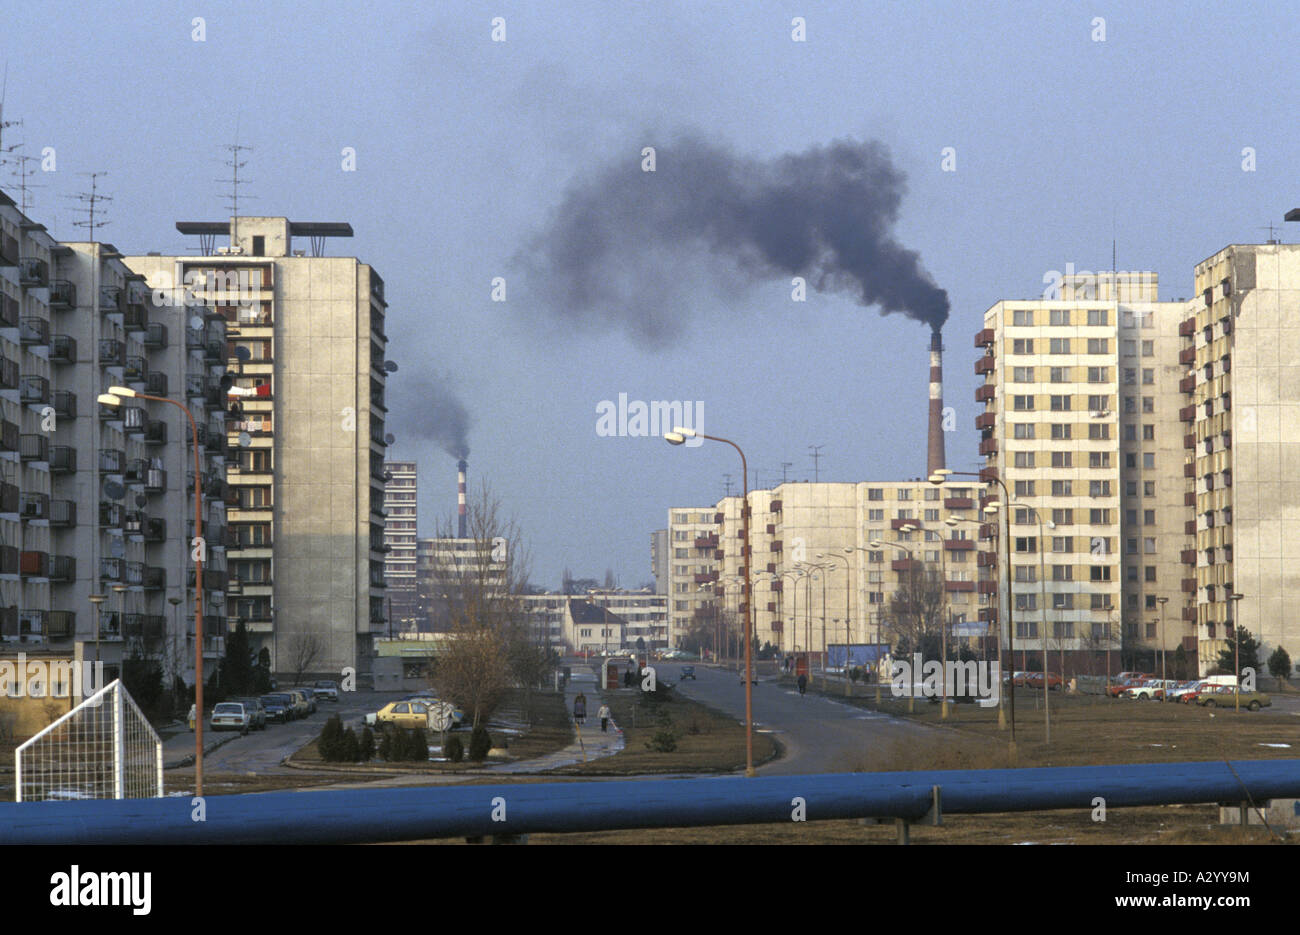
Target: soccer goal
{"x": 104, "y": 748}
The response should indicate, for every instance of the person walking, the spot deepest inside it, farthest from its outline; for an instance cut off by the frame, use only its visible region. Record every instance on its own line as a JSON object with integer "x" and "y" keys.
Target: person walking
{"x": 604, "y": 716}
{"x": 580, "y": 708}
{"x": 192, "y": 715}
{"x": 803, "y": 683}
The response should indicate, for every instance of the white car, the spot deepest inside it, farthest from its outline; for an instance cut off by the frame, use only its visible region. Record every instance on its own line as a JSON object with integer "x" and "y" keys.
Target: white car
{"x": 231, "y": 715}
{"x": 1147, "y": 690}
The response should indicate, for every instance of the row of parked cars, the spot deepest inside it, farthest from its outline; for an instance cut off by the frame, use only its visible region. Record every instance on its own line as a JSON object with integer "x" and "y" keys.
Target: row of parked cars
{"x": 1213, "y": 691}
{"x": 245, "y": 714}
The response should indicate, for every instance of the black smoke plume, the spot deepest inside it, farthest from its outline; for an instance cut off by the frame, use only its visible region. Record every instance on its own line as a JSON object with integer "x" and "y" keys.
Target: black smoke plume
{"x": 623, "y": 247}
{"x": 428, "y": 408}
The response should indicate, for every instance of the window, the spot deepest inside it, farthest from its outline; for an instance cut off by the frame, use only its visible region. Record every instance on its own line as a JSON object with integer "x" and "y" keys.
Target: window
{"x": 1130, "y": 433}
{"x": 1022, "y": 346}
{"x": 1099, "y": 459}
{"x": 1099, "y": 573}
{"x": 1059, "y": 374}
{"x": 1099, "y": 517}
{"x": 875, "y": 493}
{"x": 904, "y": 514}
{"x": 1060, "y": 431}
{"x": 1098, "y": 374}
{"x": 1022, "y": 316}
{"x": 1099, "y": 488}
{"x": 1060, "y": 403}
{"x": 1151, "y": 605}
{"x": 1097, "y": 432}
{"x": 1148, "y": 517}
{"x": 1100, "y": 403}
{"x": 1148, "y": 348}
{"x": 1131, "y": 517}
{"x": 1148, "y": 376}
{"x": 1022, "y": 515}
{"x": 681, "y": 553}
{"x": 1026, "y": 574}
{"x": 904, "y": 493}
{"x": 1130, "y": 405}
{"x": 1059, "y": 346}
{"x": 1127, "y": 320}
{"x": 1062, "y": 543}
{"x": 1062, "y": 572}
{"x": 1061, "y": 488}
{"x": 1098, "y": 316}
{"x": 934, "y": 493}
{"x": 1148, "y": 433}
{"x": 1148, "y": 460}
{"x": 1148, "y": 488}
{"x": 1128, "y": 348}
{"x": 876, "y": 557}
{"x": 1063, "y": 517}
{"x": 1130, "y": 461}
{"x": 1025, "y": 488}
{"x": 1026, "y": 629}
{"x": 1149, "y": 545}
{"x": 1024, "y": 459}
{"x": 1148, "y": 404}
{"x": 1060, "y": 316}
{"x": 1130, "y": 547}
{"x": 1028, "y": 602}
{"x": 1098, "y": 345}
{"x": 1150, "y": 571}
{"x": 1023, "y": 429}
{"x": 932, "y": 516}
{"x": 1022, "y": 374}
{"x": 1027, "y": 544}
{"x": 1063, "y": 602}
{"x": 1061, "y": 459}
{"x": 875, "y": 516}
{"x": 1130, "y": 376}
{"x": 1147, "y": 320}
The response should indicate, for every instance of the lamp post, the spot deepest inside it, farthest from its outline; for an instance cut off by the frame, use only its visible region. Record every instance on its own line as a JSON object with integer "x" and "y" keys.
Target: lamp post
{"x": 1042, "y": 590}
{"x": 114, "y": 398}
{"x": 848, "y": 574}
{"x": 781, "y": 603}
{"x": 880, "y": 601}
{"x": 1236, "y": 648}
{"x": 120, "y": 591}
{"x": 938, "y": 478}
{"x": 95, "y": 601}
{"x": 678, "y": 436}
{"x": 880, "y": 544}
{"x": 1164, "y": 675}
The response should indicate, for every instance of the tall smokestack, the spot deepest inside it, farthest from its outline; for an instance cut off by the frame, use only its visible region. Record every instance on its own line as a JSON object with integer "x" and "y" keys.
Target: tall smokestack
{"x": 461, "y": 467}
{"x": 934, "y": 449}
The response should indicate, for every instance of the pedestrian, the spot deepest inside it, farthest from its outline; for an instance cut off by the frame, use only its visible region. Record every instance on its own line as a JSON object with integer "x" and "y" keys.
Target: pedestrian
{"x": 192, "y": 715}
{"x": 580, "y": 708}
{"x": 604, "y": 715}
{"x": 803, "y": 683}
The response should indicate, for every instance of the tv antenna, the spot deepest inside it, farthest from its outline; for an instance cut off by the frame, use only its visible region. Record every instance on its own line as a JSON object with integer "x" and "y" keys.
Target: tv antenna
{"x": 91, "y": 200}
{"x": 726, "y": 481}
{"x": 5, "y": 124}
{"x": 22, "y": 172}
{"x": 1272, "y": 234}
{"x": 785, "y": 465}
{"x": 236, "y": 162}
{"x": 816, "y": 459}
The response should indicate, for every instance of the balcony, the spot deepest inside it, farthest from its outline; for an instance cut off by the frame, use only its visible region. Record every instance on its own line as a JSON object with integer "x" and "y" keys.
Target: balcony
{"x": 63, "y": 568}
{"x": 989, "y": 446}
{"x": 958, "y": 545}
{"x": 705, "y": 577}
{"x": 135, "y": 318}
{"x": 9, "y": 374}
{"x": 135, "y": 471}
{"x": 1187, "y": 355}
{"x": 155, "y": 383}
{"x": 33, "y": 331}
{"x": 63, "y": 459}
{"x": 63, "y": 349}
{"x": 134, "y": 573}
{"x": 985, "y": 393}
{"x": 986, "y": 559}
{"x": 155, "y": 578}
{"x": 65, "y": 404}
{"x": 155, "y": 529}
{"x": 904, "y": 564}
{"x": 33, "y": 271}
{"x": 1187, "y": 414}
{"x": 134, "y": 370}
{"x": 33, "y": 390}
{"x": 110, "y": 625}
{"x": 10, "y": 499}
{"x": 112, "y": 353}
{"x": 9, "y": 436}
{"x": 112, "y": 300}
{"x": 1189, "y": 528}
{"x": 155, "y": 335}
{"x": 35, "y": 505}
{"x": 776, "y": 546}
{"x": 195, "y": 339}
{"x": 63, "y": 513}
{"x": 1187, "y": 328}
{"x": 8, "y": 560}
{"x": 959, "y": 503}
{"x": 8, "y": 250}
{"x": 987, "y": 587}
{"x": 34, "y": 564}
{"x": 155, "y": 480}
{"x": 1187, "y": 383}
{"x": 31, "y": 624}
{"x": 1189, "y": 498}
{"x": 1189, "y": 469}
{"x": 984, "y": 365}
{"x": 61, "y": 624}
{"x": 1188, "y": 556}
{"x": 1189, "y": 586}
{"x": 34, "y": 448}
{"x": 155, "y": 432}
{"x": 8, "y": 312}
{"x": 214, "y": 350}
{"x": 774, "y": 507}
{"x": 63, "y": 295}
{"x": 111, "y": 516}
{"x": 985, "y": 337}
{"x": 133, "y": 626}
{"x": 111, "y": 460}
{"x": 706, "y": 542}
{"x": 988, "y": 531}
{"x": 110, "y": 569}
{"x": 985, "y": 420}
{"x": 959, "y": 586}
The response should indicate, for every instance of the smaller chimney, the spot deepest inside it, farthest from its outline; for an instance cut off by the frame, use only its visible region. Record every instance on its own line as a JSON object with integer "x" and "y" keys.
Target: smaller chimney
{"x": 934, "y": 443}
{"x": 461, "y": 467}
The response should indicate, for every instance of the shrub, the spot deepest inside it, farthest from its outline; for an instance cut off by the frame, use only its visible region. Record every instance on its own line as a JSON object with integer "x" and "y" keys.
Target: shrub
{"x": 366, "y": 746}
{"x": 855, "y": 675}
{"x": 349, "y": 749}
{"x": 1279, "y": 664}
{"x": 331, "y": 740}
{"x": 417, "y": 747}
{"x": 663, "y": 741}
{"x": 480, "y": 742}
{"x": 455, "y": 750}
{"x": 386, "y": 742}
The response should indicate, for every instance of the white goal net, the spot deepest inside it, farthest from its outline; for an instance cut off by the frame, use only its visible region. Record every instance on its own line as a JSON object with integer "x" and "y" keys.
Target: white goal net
{"x": 104, "y": 748}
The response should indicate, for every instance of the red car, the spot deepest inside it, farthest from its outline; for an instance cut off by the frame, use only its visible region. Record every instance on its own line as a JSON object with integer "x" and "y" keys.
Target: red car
{"x": 1054, "y": 681}
{"x": 1117, "y": 689}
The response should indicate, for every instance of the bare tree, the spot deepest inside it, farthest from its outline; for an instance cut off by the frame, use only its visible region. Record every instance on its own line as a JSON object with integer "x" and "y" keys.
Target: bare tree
{"x": 916, "y": 609}
{"x": 305, "y": 650}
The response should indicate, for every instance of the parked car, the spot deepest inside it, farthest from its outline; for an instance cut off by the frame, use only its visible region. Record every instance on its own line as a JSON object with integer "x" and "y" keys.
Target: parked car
{"x": 1035, "y": 680}
{"x": 301, "y": 706}
{"x": 1117, "y": 689}
{"x": 1180, "y": 689}
{"x": 688, "y": 672}
{"x": 230, "y": 715}
{"x": 326, "y": 688}
{"x": 402, "y": 714}
{"x": 256, "y": 712}
{"x": 311, "y": 699}
{"x": 279, "y": 707}
{"x": 1222, "y": 696}
{"x": 1149, "y": 689}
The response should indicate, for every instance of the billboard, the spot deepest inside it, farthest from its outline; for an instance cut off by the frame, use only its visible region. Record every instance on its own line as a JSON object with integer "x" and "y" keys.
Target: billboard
{"x": 859, "y": 654}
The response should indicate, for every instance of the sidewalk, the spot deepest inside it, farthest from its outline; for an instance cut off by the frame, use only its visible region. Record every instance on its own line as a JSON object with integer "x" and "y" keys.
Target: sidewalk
{"x": 178, "y": 743}
{"x": 589, "y": 743}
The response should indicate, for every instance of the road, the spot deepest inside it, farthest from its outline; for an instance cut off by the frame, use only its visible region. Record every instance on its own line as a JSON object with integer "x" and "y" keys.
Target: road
{"x": 818, "y": 735}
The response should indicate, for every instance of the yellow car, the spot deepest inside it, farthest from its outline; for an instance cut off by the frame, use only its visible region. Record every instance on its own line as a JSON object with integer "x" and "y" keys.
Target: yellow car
{"x": 408, "y": 713}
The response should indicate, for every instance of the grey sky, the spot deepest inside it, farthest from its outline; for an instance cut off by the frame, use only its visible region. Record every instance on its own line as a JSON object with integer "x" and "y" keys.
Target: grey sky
{"x": 464, "y": 147}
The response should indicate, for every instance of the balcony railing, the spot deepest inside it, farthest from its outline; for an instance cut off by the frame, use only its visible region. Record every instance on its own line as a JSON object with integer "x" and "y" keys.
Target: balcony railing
{"x": 155, "y": 578}
{"x": 63, "y": 349}
{"x": 155, "y": 383}
{"x": 35, "y": 505}
{"x": 155, "y": 480}
{"x": 33, "y": 390}
{"x": 61, "y": 624}
{"x": 63, "y": 513}
{"x": 8, "y": 250}
{"x": 10, "y": 498}
{"x": 65, "y": 404}
{"x": 112, "y": 460}
{"x": 63, "y": 568}
{"x": 111, "y": 516}
{"x": 33, "y": 331}
{"x": 155, "y": 432}
{"x": 34, "y": 564}
{"x": 63, "y": 459}
{"x": 155, "y": 335}
{"x": 112, "y": 300}
{"x": 63, "y": 294}
{"x": 35, "y": 448}
{"x": 155, "y": 529}
{"x": 33, "y": 271}
{"x": 8, "y": 559}
{"x": 8, "y": 312}
{"x": 112, "y": 352}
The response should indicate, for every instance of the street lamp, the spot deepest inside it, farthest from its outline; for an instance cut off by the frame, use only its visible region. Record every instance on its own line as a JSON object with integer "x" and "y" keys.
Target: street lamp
{"x": 1162, "y": 601}
{"x": 95, "y": 601}
{"x": 1236, "y": 649}
{"x": 796, "y": 574}
{"x": 678, "y": 436}
{"x": 114, "y": 398}
{"x": 911, "y": 564}
{"x": 848, "y": 574}
{"x": 1042, "y": 590}
{"x": 938, "y": 478}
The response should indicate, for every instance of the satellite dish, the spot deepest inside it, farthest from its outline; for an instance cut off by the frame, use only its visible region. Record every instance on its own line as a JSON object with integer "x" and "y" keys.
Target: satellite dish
{"x": 113, "y": 490}
{"x": 388, "y": 475}
{"x": 390, "y": 366}
{"x": 388, "y": 439}
{"x": 141, "y": 500}
{"x": 242, "y": 352}
{"x": 196, "y": 323}
{"x": 227, "y": 381}
{"x": 245, "y": 439}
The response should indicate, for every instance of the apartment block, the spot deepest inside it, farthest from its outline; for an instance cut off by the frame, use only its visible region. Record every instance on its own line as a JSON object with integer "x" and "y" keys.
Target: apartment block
{"x": 693, "y": 542}
{"x": 401, "y": 514}
{"x": 1080, "y": 423}
{"x": 451, "y": 571}
{"x": 1241, "y": 356}
{"x": 301, "y": 338}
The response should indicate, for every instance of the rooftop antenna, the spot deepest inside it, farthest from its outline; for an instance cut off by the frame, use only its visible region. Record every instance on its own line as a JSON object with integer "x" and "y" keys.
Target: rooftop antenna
{"x": 91, "y": 200}
{"x": 726, "y": 479}
{"x": 4, "y": 124}
{"x": 785, "y": 465}
{"x": 816, "y": 458}
{"x": 235, "y": 162}
{"x": 1272, "y": 234}
{"x": 22, "y": 173}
